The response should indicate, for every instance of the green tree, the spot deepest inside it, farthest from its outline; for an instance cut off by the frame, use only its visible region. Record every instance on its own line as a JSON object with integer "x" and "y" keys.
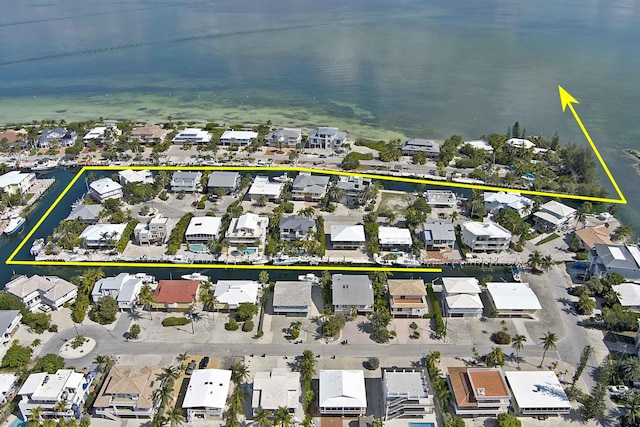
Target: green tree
{"x": 508, "y": 420}
{"x": 495, "y": 357}
{"x": 631, "y": 402}
{"x": 239, "y": 372}
{"x": 586, "y": 304}
{"x": 263, "y": 277}
{"x": 262, "y": 417}
{"x": 246, "y": 311}
{"x": 104, "y": 311}
{"x": 307, "y": 365}
{"x": 174, "y": 417}
{"x": 582, "y": 363}
{"x": 16, "y": 356}
{"x": 535, "y": 258}
{"x": 49, "y": 363}
{"x": 134, "y": 331}
{"x": 147, "y": 298}
{"x": 283, "y": 417}
{"x": 517, "y": 343}
{"x": 350, "y": 161}
{"x": 104, "y": 362}
{"x": 623, "y": 233}
{"x": 548, "y": 340}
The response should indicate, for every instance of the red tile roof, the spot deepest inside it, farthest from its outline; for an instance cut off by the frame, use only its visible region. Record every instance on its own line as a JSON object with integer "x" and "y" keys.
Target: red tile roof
{"x": 176, "y": 291}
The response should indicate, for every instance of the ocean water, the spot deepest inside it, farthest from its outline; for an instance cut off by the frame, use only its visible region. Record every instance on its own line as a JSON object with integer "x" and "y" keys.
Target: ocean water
{"x": 377, "y": 69}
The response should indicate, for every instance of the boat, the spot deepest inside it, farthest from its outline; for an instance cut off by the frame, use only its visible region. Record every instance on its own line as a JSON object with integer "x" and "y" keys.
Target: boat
{"x": 515, "y": 272}
{"x": 196, "y": 276}
{"x": 260, "y": 261}
{"x": 283, "y": 178}
{"x": 146, "y": 278}
{"x": 37, "y": 246}
{"x": 285, "y": 259}
{"x": 382, "y": 261}
{"x": 45, "y": 164}
{"x": 309, "y": 277}
{"x": 15, "y": 224}
{"x": 408, "y": 262}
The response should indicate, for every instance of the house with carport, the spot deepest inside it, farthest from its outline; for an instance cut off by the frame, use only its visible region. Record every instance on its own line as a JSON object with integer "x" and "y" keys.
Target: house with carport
{"x": 513, "y": 300}
{"x": 345, "y": 236}
{"x": 461, "y": 297}
{"x": 342, "y": 392}
{"x": 206, "y": 394}
{"x": 292, "y": 298}
{"x": 278, "y": 388}
{"x": 538, "y": 393}
{"x": 352, "y": 291}
{"x": 407, "y": 297}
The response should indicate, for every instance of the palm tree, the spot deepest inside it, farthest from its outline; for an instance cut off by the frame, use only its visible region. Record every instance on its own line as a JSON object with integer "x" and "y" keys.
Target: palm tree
{"x": 147, "y": 298}
{"x": 495, "y": 357}
{"x": 237, "y": 398}
{"x": 239, "y": 372}
{"x": 60, "y": 406}
{"x": 35, "y": 416}
{"x": 632, "y": 406}
{"x": 174, "y": 417}
{"x": 454, "y": 216}
{"x": 631, "y": 369}
{"x": 85, "y": 422}
{"x": 433, "y": 360}
{"x": 181, "y": 358}
{"x": 169, "y": 375}
{"x": 534, "y": 260}
{"x": 546, "y": 262}
{"x": 158, "y": 420}
{"x": 104, "y": 362}
{"x": 263, "y": 277}
{"x": 104, "y": 236}
{"x": 307, "y": 212}
{"x": 283, "y": 417}
{"x": 586, "y": 304}
{"x": 517, "y": 342}
{"x": 548, "y": 341}
{"x": 262, "y": 417}
{"x": 163, "y": 394}
{"x": 335, "y": 193}
{"x": 307, "y": 365}
{"x": 207, "y": 299}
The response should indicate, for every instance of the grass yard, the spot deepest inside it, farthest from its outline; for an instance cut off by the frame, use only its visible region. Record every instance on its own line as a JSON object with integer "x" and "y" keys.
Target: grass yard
{"x": 394, "y": 202}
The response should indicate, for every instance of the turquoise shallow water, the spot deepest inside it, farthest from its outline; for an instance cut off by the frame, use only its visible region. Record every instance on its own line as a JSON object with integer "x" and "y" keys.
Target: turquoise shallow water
{"x": 377, "y": 69}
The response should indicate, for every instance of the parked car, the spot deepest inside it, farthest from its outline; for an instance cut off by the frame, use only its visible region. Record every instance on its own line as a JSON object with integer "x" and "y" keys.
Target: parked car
{"x": 190, "y": 367}
{"x": 582, "y": 276}
{"x": 204, "y": 362}
{"x": 44, "y": 307}
{"x": 618, "y": 389}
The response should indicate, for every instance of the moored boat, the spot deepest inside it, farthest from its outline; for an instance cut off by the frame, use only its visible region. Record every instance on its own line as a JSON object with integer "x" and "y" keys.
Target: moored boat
{"x": 196, "y": 276}
{"x": 45, "y": 164}
{"x": 37, "y": 246}
{"x": 408, "y": 261}
{"x": 309, "y": 277}
{"x": 515, "y": 272}
{"x": 15, "y": 224}
{"x": 285, "y": 259}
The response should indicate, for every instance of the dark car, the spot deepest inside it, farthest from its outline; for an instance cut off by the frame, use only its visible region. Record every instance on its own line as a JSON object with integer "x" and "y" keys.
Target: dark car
{"x": 203, "y": 363}
{"x": 190, "y": 367}
{"x": 582, "y": 276}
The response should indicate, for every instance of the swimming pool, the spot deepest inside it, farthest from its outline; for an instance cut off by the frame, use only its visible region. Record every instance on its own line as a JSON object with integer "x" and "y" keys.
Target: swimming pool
{"x": 18, "y": 423}
{"x": 422, "y": 424}
{"x": 250, "y": 251}
{"x": 197, "y": 247}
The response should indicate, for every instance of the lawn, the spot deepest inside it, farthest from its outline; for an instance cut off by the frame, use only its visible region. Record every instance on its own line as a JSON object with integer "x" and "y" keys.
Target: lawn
{"x": 393, "y": 202}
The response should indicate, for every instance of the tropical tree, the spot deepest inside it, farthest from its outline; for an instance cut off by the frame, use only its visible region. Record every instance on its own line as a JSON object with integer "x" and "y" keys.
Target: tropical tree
{"x": 495, "y": 357}
{"x": 158, "y": 420}
{"x": 207, "y": 299}
{"x": 308, "y": 212}
{"x": 169, "y": 375}
{"x": 283, "y": 417}
{"x": 632, "y": 409}
{"x": 181, "y": 358}
{"x": 239, "y": 372}
{"x": 263, "y": 277}
{"x": 104, "y": 362}
{"x": 308, "y": 365}
{"x": 147, "y": 298}
{"x": 535, "y": 258}
{"x": 174, "y": 417}
{"x": 433, "y": 360}
{"x": 546, "y": 262}
{"x": 548, "y": 340}
{"x": 631, "y": 369}
{"x": 163, "y": 394}
{"x": 586, "y": 304}
{"x": 60, "y": 406}
{"x": 454, "y": 216}
{"x": 517, "y": 343}
{"x": 262, "y": 417}
{"x": 35, "y": 417}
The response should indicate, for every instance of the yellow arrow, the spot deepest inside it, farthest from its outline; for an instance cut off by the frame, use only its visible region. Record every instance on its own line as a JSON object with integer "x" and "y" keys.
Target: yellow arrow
{"x": 567, "y": 100}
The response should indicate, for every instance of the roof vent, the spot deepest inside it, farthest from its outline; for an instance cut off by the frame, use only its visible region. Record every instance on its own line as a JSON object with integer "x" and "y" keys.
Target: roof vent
{"x": 481, "y": 391}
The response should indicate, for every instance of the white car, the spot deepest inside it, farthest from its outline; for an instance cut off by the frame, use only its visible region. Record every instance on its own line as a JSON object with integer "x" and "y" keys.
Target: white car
{"x": 44, "y": 307}
{"x": 618, "y": 389}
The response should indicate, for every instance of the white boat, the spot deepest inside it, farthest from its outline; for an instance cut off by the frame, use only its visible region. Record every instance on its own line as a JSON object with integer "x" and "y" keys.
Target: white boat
{"x": 15, "y": 224}
{"x": 260, "y": 261}
{"x": 309, "y": 277}
{"x": 37, "y": 246}
{"x": 283, "y": 178}
{"x": 285, "y": 259}
{"x": 196, "y": 276}
{"x": 408, "y": 262}
{"x": 515, "y": 272}
{"x": 45, "y": 164}
{"x": 381, "y": 261}
{"x": 146, "y": 278}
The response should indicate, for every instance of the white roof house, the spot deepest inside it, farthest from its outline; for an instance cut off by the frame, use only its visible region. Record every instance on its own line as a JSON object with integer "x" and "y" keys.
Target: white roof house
{"x": 513, "y": 299}
{"x": 50, "y": 290}
{"x": 97, "y": 235}
{"x": 462, "y": 297}
{"x": 95, "y": 133}
{"x": 484, "y": 236}
{"x": 393, "y": 237}
{"x": 237, "y": 137}
{"x": 124, "y": 287}
{"x": 479, "y": 144}
{"x": 460, "y": 285}
{"x": 232, "y": 293}
{"x": 203, "y": 228}
{"x": 248, "y": 228}
{"x": 520, "y": 143}
{"x": 206, "y": 393}
{"x": 263, "y": 187}
{"x": 192, "y": 136}
{"x": 7, "y": 382}
{"x": 347, "y": 236}
{"x": 405, "y": 393}
{"x": 9, "y": 321}
{"x": 342, "y": 392}
{"x": 500, "y": 200}
{"x": 278, "y": 388}
{"x": 553, "y": 215}
{"x": 104, "y": 189}
{"x": 628, "y": 295}
{"x": 538, "y": 393}
{"x": 16, "y": 182}
{"x": 130, "y": 176}
{"x": 45, "y": 390}
{"x": 440, "y": 198}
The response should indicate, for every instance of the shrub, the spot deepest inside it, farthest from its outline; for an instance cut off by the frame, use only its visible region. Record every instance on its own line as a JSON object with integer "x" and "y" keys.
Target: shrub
{"x": 373, "y": 363}
{"x": 501, "y": 337}
{"x": 413, "y": 325}
{"x": 104, "y": 311}
{"x": 437, "y": 313}
{"x": 16, "y": 356}
{"x": 288, "y": 207}
{"x": 49, "y": 363}
{"x": 382, "y": 335}
{"x": 175, "y": 321}
{"x": 53, "y": 328}
{"x": 248, "y": 326}
{"x": 231, "y": 325}
{"x": 126, "y": 235}
{"x": 295, "y": 333}
{"x": 37, "y": 322}
{"x": 134, "y": 331}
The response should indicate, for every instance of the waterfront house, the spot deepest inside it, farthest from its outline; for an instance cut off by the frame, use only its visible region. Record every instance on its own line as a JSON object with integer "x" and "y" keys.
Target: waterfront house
{"x": 347, "y": 236}
{"x": 352, "y": 291}
{"x": 354, "y": 188}
{"x": 45, "y": 391}
{"x": 309, "y": 187}
{"x": 628, "y": 295}
{"x": 9, "y": 322}
{"x": 621, "y": 259}
{"x": 228, "y": 181}
{"x": 520, "y": 143}
{"x": 203, "y": 229}
{"x": 440, "y": 198}
{"x": 394, "y": 239}
{"x": 155, "y": 231}
{"x": 105, "y": 189}
{"x": 97, "y": 236}
{"x": 485, "y": 236}
{"x": 124, "y": 288}
{"x": 284, "y": 138}
{"x": 513, "y": 300}
{"x": 206, "y": 394}
{"x": 461, "y": 297}
{"x": 235, "y": 138}
{"x": 413, "y": 146}
{"x": 479, "y": 144}
{"x": 438, "y": 235}
{"x": 175, "y": 295}
{"x": 478, "y": 392}
{"x": 63, "y": 138}
{"x": 192, "y": 136}
{"x": 35, "y": 290}
{"x": 296, "y": 227}
{"x": 407, "y": 297}
{"x": 187, "y": 181}
{"x": 405, "y": 393}
{"x": 262, "y": 187}
{"x": 130, "y": 176}
{"x": 553, "y": 216}
{"x": 16, "y": 182}
{"x": 15, "y": 139}
{"x": 292, "y": 298}
{"x": 494, "y": 202}
{"x": 153, "y": 134}
{"x": 342, "y": 393}
{"x": 326, "y": 138}
{"x": 589, "y": 236}
{"x": 89, "y": 214}
{"x": 275, "y": 389}
{"x": 127, "y": 392}
{"x": 101, "y": 135}
{"x": 231, "y": 293}
{"x": 8, "y": 384}
{"x": 538, "y": 393}
{"x": 249, "y": 229}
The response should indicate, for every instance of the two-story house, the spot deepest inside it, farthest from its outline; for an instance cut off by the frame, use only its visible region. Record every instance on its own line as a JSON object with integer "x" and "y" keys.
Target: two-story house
{"x": 353, "y": 189}
{"x": 309, "y": 187}
{"x": 485, "y": 236}
{"x": 187, "y": 181}
{"x": 296, "y": 227}
{"x": 105, "y": 189}
{"x": 155, "y": 231}
{"x": 47, "y": 391}
{"x": 192, "y": 136}
{"x": 352, "y": 290}
{"x": 407, "y": 297}
{"x": 327, "y": 138}
{"x": 284, "y": 138}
